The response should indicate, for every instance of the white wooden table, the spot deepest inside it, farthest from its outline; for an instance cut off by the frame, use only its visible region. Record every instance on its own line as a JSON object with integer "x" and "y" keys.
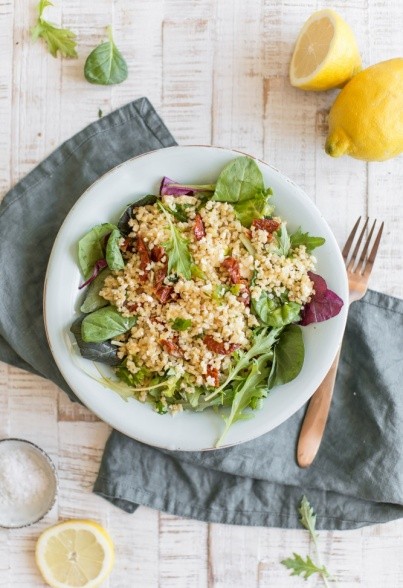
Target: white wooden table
{"x": 217, "y": 72}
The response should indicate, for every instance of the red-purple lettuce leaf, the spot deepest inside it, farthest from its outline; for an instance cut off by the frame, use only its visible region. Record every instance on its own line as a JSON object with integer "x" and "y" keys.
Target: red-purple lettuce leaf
{"x": 325, "y": 303}
{"x": 98, "y": 267}
{"x": 171, "y": 188}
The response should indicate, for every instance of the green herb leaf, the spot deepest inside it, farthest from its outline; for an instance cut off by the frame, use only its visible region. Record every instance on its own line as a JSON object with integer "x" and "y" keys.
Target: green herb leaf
{"x": 299, "y": 238}
{"x": 197, "y": 272}
{"x": 177, "y": 248}
{"x": 181, "y": 324}
{"x": 58, "y": 40}
{"x": 91, "y": 247}
{"x": 179, "y": 212}
{"x": 105, "y": 65}
{"x": 93, "y": 300}
{"x": 104, "y": 324}
{"x": 303, "y": 568}
{"x": 114, "y": 257}
{"x": 288, "y": 356}
{"x": 283, "y": 242}
{"x": 131, "y": 379}
{"x": 272, "y": 313}
{"x": 308, "y": 517}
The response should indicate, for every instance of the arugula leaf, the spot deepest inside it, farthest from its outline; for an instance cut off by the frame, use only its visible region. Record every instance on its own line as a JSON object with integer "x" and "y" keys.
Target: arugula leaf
{"x": 263, "y": 342}
{"x": 123, "y": 223}
{"x": 104, "y": 324}
{"x": 104, "y": 352}
{"x": 273, "y": 313}
{"x": 58, "y": 40}
{"x": 283, "y": 242}
{"x": 177, "y": 248}
{"x": 91, "y": 247}
{"x": 303, "y": 568}
{"x": 288, "y": 357}
{"x": 299, "y": 238}
{"x": 105, "y": 65}
{"x": 308, "y": 517}
{"x": 114, "y": 257}
{"x": 93, "y": 300}
{"x": 245, "y": 392}
{"x": 181, "y": 324}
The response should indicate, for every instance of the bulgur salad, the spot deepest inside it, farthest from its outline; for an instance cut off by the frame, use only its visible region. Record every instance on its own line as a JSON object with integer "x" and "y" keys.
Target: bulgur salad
{"x": 197, "y": 296}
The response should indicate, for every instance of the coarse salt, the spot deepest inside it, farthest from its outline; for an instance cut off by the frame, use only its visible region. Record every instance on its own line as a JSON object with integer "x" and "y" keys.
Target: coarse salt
{"x": 22, "y": 478}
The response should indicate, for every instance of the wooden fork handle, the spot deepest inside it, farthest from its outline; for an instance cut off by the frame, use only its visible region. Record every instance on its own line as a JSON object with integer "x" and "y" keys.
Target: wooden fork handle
{"x": 315, "y": 419}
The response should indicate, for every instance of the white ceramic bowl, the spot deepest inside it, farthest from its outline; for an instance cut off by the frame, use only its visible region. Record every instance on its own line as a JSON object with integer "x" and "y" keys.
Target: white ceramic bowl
{"x": 103, "y": 202}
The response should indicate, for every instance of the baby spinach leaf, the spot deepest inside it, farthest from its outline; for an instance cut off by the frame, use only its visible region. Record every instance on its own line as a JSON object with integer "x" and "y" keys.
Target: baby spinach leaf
{"x": 123, "y": 224}
{"x": 273, "y": 313}
{"x": 93, "y": 300}
{"x": 299, "y": 238}
{"x": 105, "y": 65}
{"x": 103, "y": 352}
{"x": 114, "y": 257}
{"x": 288, "y": 356}
{"x": 283, "y": 242}
{"x": 91, "y": 247}
{"x": 181, "y": 324}
{"x": 104, "y": 324}
{"x": 240, "y": 180}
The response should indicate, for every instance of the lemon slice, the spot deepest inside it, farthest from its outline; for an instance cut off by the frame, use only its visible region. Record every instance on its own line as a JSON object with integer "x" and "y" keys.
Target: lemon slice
{"x": 75, "y": 553}
{"x": 326, "y": 53}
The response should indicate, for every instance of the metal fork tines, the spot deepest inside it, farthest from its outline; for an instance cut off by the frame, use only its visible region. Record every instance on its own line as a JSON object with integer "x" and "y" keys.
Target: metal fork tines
{"x": 357, "y": 260}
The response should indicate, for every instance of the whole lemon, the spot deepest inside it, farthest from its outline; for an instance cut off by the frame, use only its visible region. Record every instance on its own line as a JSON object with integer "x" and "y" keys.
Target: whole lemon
{"x": 366, "y": 119}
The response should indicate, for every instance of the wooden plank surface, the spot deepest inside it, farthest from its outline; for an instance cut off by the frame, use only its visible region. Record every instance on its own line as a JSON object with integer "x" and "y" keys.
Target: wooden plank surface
{"x": 217, "y": 72}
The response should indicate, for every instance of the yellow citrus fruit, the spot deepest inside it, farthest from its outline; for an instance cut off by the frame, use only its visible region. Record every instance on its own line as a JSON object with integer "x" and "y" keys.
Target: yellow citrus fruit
{"x": 366, "y": 119}
{"x": 326, "y": 53}
{"x": 77, "y": 553}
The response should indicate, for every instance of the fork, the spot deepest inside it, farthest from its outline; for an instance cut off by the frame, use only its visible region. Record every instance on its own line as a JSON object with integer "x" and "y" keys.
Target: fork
{"x": 359, "y": 267}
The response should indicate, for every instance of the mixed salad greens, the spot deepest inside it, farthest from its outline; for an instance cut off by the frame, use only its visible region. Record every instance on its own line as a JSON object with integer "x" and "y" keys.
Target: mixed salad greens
{"x": 276, "y": 352}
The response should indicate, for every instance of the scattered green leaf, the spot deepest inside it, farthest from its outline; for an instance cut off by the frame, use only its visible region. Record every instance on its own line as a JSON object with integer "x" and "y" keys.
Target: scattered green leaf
{"x": 273, "y": 313}
{"x": 304, "y": 568}
{"x": 105, "y": 65}
{"x": 58, "y": 40}
{"x": 93, "y": 300}
{"x": 288, "y": 357}
{"x": 283, "y": 241}
{"x": 177, "y": 248}
{"x": 91, "y": 247}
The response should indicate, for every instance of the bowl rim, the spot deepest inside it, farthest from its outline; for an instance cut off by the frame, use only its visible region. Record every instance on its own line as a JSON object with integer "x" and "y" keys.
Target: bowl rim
{"x": 113, "y": 170}
{"x": 46, "y": 459}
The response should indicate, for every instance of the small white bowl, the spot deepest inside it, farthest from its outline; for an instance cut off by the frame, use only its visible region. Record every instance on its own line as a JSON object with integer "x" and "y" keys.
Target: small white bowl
{"x": 29, "y": 512}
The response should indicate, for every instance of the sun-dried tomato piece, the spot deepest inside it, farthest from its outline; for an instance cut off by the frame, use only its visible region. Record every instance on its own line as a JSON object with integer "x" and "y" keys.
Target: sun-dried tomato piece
{"x": 245, "y": 290}
{"x": 163, "y": 293}
{"x": 127, "y": 244}
{"x": 212, "y": 372}
{"x": 157, "y": 253}
{"x": 171, "y": 347}
{"x": 219, "y": 347}
{"x": 132, "y": 306}
{"x": 159, "y": 275}
{"x": 266, "y": 224}
{"x": 198, "y": 228}
{"x": 144, "y": 258}
{"x": 232, "y": 266}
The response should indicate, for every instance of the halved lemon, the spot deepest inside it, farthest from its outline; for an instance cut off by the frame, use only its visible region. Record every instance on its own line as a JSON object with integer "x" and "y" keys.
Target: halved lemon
{"x": 326, "y": 53}
{"x": 75, "y": 553}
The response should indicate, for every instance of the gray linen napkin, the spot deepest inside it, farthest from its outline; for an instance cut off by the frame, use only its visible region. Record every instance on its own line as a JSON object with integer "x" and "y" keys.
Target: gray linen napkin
{"x": 357, "y": 478}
